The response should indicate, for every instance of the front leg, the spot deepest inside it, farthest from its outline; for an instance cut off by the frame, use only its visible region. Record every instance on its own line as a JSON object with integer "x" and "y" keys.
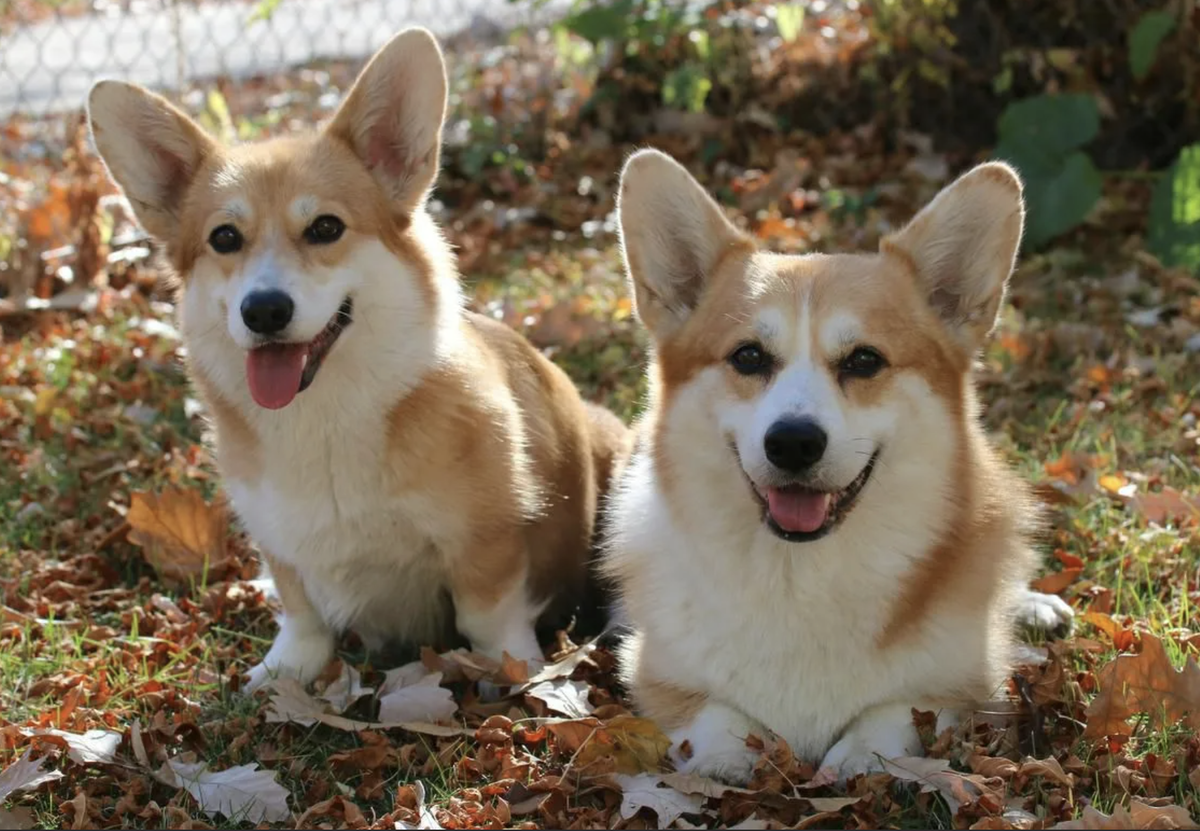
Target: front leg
{"x": 1046, "y": 613}
{"x": 492, "y": 606}
{"x": 882, "y": 732}
{"x": 304, "y": 645}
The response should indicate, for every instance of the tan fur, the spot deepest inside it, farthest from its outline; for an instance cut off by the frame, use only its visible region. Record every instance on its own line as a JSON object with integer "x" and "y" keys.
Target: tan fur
{"x": 453, "y": 459}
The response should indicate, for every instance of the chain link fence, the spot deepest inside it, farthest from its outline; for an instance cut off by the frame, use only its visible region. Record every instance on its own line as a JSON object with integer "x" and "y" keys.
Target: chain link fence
{"x": 51, "y": 51}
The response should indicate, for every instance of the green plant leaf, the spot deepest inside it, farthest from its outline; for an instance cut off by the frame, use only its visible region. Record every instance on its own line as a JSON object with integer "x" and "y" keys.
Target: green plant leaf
{"x": 263, "y": 11}
{"x": 686, "y": 88}
{"x": 1059, "y": 199}
{"x": 789, "y": 17}
{"x": 1145, "y": 38}
{"x": 1174, "y": 223}
{"x": 601, "y": 22}
{"x": 1049, "y": 127}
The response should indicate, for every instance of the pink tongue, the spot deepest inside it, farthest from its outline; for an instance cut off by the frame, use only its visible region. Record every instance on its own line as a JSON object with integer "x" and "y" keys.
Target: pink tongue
{"x": 273, "y": 373}
{"x": 801, "y": 511}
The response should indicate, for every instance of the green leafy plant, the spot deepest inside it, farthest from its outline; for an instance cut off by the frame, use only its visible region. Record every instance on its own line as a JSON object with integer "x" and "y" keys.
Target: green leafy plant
{"x": 1145, "y": 38}
{"x": 1043, "y": 138}
{"x": 1174, "y": 226}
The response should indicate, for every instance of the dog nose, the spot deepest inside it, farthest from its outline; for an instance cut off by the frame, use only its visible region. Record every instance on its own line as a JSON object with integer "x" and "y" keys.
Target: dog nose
{"x": 267, "y": 312}
{"x": 795, "y": 445}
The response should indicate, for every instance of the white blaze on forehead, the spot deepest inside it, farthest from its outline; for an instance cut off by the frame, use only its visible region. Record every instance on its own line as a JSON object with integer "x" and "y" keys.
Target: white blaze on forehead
{"x": 237, "y": 209}
{"x": 303, "y": 209}
{"x": 839, "y": 331}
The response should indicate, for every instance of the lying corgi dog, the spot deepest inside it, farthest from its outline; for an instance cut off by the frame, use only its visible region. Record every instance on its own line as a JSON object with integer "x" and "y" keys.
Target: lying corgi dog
{"x": 407, "y": 468}
{"x": 814, "y": 536}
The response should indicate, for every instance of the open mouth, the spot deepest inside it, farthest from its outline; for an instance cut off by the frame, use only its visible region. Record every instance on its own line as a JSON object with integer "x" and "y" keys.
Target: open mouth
{"x": 799, "y": 514}
{"x": 278, "y": 372}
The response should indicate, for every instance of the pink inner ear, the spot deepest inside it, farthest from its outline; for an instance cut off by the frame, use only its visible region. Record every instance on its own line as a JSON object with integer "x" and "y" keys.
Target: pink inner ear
{"x": 384, "y": 152}
{"x": 175, "y": 174}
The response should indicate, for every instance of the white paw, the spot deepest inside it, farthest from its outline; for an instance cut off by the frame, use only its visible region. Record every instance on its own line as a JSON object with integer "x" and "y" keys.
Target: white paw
{"x": 294, "y": 654}
{"x": 851, "y": 756}
{"x": 1046, "y": 612}
{"x": 714, "y": 745}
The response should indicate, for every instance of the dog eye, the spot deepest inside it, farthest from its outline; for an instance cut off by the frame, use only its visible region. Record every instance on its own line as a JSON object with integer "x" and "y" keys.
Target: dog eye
{"x": 324, "y": 230}
{"x": 750, "y": 359}
{"x": 863, "y": 362}
{"x": 225, "y": 239}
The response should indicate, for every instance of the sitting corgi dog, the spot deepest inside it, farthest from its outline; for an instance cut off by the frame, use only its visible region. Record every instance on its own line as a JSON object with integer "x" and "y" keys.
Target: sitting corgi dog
{"x": 814, "y": 536}
{"x": 410, "y": 471}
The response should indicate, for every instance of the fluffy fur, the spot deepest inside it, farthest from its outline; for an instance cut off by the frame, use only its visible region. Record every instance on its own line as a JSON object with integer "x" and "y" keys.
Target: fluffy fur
{"x": 439, "y": 474}
{"x": 911, "y": 600}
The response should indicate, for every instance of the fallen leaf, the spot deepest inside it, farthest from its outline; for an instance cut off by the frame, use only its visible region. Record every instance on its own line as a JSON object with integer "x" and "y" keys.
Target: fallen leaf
{"x": 346, "y": 689}
{"x": 92, "y": 747}
{"x": 643, "y": 791}
{"x": 636, "y": 745}
{"x": 19, "y": 818}
{"x": 182, "y": 536}
{"x": 1056, "y": 582}
{"x": 690, "y": 783}
{"x": 832, "y": 804}
{"x": 956, "y": 788}
{"x": 563, "y": 696}
{"x": 426, "y": 818}
{"x": 25, "y": 775}
{"x": 1138, "y": 815}
{"x": 1046, "y": 768}
{"x": 79, "y": 810}
{"x": 1144, "y": 683}
{"x": 242, "y": 793}
{"x": 290, "y": 702}
{"x": 564, "y": 666}
{"x": 423, "y": 701}
{"x": 1167, "y": 505}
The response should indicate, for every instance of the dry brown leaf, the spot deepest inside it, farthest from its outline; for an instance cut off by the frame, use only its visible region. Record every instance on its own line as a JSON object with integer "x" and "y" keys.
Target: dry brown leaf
{"x": 956, "y": 788}
{"x": 1047, "y": 769}
{"x": 183, "y": 537}
{"x": 635, "y": 745}
{"x": 19, "y": 818}
{"x": 1138, "y": 816}
{"x": 243, "y": 792}
{"x": 1144, "y": 683}
{"x": 1056, "y": 582}
{"x": 1168, "y": 505}
{"x": 79, "y": 807}
{"x": 642, "y": 791}
{"x": 25, "y": 774}
{"x": 92, "y": 747}
{"x": 290, "y": 702}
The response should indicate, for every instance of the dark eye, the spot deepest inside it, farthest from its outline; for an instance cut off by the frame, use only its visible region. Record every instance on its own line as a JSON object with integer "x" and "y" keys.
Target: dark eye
{"x": 225, "y": 239}
{"x": 863, "y": 362}
{"x": 324, "y": 230}
{"x": 750, "y": 359}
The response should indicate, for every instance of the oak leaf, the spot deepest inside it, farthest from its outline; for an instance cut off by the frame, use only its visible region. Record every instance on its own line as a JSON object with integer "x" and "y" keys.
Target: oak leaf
{"x": 182, "y": 536}
{"x": 643, "y": 791}
{"x": 1144, "y": 683}
{"x": 1138, "y": 815}
{"x": 25, "y": 774}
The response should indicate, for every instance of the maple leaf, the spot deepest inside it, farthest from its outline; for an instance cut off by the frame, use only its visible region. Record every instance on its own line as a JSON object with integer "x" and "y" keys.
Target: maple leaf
{"x": 24, "y": 775}
{"x": 1144, "y": 683}
{"x": 1168, "y": 505}
{"x": 290, "y": 702}
{"x": 92, "y": 747}
{"x": 957, "y": 789}
{"x": 242, "y": 793}
{"x": 424, "y": 700}
{"x": 643, "y": 791}
{"x": 182, "y": 536}
{"x": 563, "y": 696}
{"x": 635, "y": 744}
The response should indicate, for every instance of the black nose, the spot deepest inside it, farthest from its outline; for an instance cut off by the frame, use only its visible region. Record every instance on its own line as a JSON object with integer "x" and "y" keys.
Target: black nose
{"x": 267, "y": 312}
{"x": 795, "y": 445}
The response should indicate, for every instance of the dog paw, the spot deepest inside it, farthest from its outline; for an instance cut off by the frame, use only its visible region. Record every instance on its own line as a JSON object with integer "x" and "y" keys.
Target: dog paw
{"x": 852, "y": 756}
{"x": 732, "y": 766}
{"x": 298, "y": 655}
{"x": 1047, "y": 613}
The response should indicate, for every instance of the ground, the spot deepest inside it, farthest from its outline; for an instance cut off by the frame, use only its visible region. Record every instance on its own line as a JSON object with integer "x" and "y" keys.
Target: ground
{"x": 128, "y": 606}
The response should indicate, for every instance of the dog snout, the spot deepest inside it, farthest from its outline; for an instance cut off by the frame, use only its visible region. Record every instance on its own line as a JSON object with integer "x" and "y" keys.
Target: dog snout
{"x": 795, "y": 445}
{"x": 267, "y": 312}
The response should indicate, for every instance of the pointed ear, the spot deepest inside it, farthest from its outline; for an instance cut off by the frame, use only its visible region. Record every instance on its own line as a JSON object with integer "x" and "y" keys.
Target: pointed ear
{"x": 151, "y": 149}
{"x": 673, "y": 235}
{"x": 963, "y": 246}
{"x": 392, "y": 118}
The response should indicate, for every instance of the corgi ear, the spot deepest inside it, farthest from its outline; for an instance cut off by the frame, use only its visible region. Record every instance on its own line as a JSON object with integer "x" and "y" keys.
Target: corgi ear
{"x": 963, "y": 246}
{"x": 392, "y": 118}
{"x": 151, "y": 149}
{"x": 672, "y": 236}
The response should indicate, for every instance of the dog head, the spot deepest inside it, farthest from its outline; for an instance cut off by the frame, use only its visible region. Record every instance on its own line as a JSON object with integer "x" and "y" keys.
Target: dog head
{"x": 282, "y": 244}
{"x": 818, "y": 374}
